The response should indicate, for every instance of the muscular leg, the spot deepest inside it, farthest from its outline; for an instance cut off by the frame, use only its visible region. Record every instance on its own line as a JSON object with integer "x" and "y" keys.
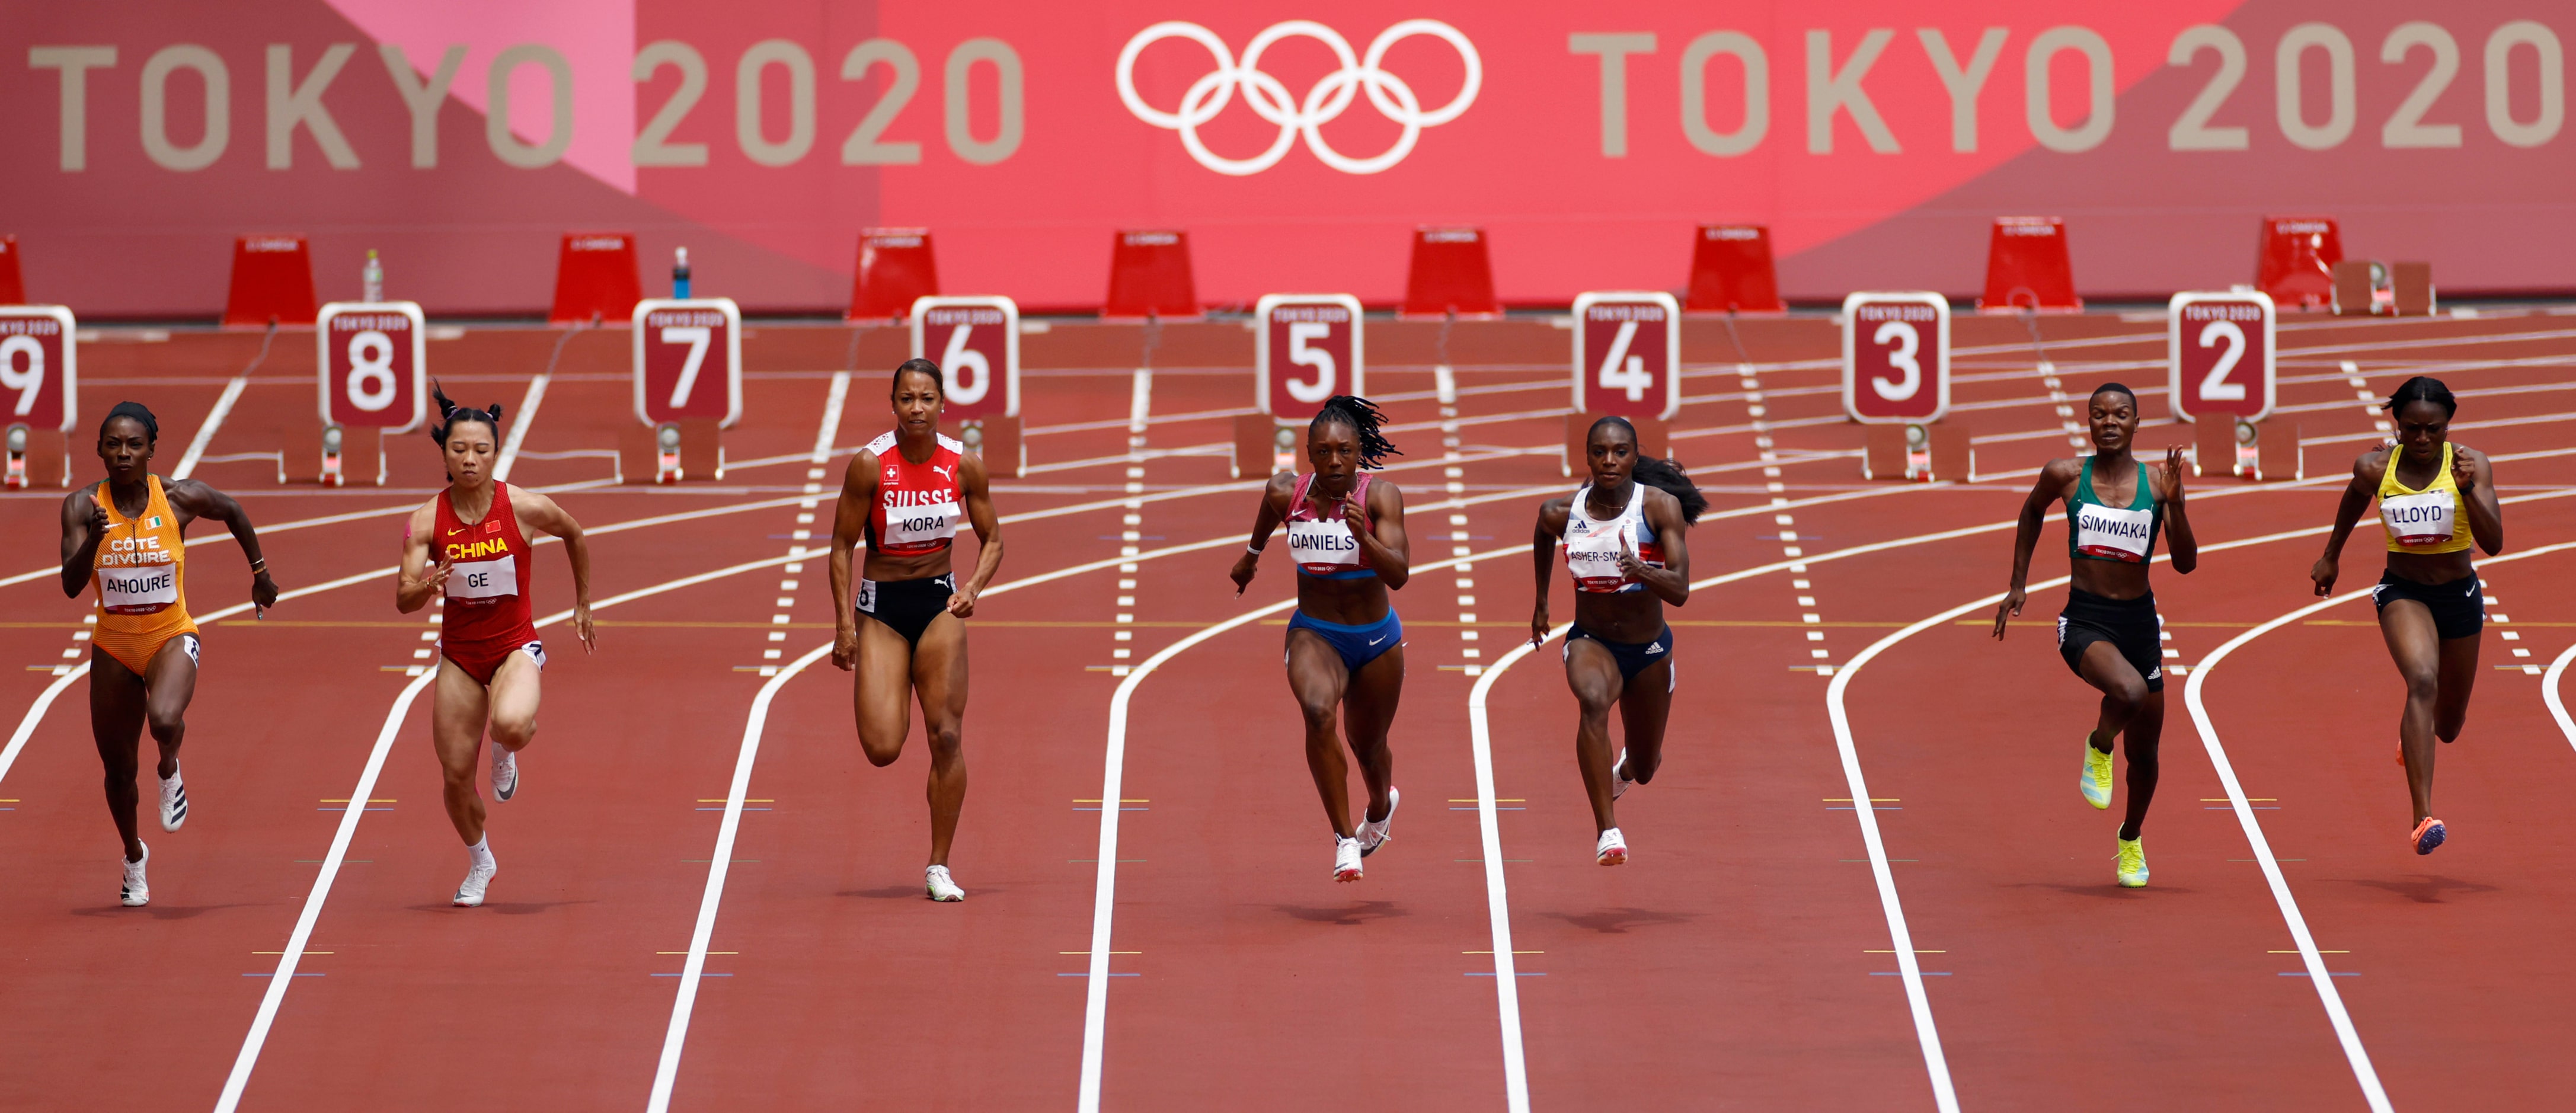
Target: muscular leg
{"x": 1368, "y": 710}
{"x": 2459, "y": 671}
{"x": 1316, "y": 676}
{"x": 2142, "y": 738}
{"x": 172, "y": 683}
{"x": 939, "y": 681}
{"x": 1594, "y": 675}
{"x": 2127, "y": 706}
{"x": 1643, "y": 708}
{"x": 878, "y": 688}
{"x": 456, "y": 715}
{"x": 2416, "y": 646}
{"x": 513, "y": 702}
{"x": 116, "y": 698}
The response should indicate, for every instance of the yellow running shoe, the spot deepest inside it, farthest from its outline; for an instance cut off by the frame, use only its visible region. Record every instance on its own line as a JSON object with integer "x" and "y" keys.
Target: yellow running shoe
{"x": 2132, "y": 863}
{"x": 2096, "y": 779}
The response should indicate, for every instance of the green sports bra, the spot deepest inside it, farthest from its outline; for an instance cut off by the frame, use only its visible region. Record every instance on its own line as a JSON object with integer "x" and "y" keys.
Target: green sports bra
{"x": 2096, "y": 531}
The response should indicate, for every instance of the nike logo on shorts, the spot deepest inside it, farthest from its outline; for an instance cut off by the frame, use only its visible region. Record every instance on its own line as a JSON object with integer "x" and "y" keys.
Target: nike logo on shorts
{"x": 1377, "y": 639}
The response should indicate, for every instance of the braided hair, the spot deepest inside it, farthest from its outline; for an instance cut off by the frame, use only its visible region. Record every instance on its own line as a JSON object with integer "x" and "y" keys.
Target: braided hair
{"x": 449, "y": 413}
{"x": 2423, "y": 388}
{"x": 1657, "y": 472}
{"x": 1364, "y": 418}
{"x": 141, "y": 414}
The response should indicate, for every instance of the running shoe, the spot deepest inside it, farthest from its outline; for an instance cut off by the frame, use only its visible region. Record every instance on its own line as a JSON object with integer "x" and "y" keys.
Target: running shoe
{"x": 477, "y": 878}
{"x": 2096, "y": 781}
{"x": 1619, "y": 782}
{"x": 505, "y": 773}
{"x": 1373, "y": 832}
{"x": 136, "y": 894}
{"x": 1612, "y": 850}
{"x": 2428, "y": 835}
{"x": 1346, "y": 859}
{"x": 174, "y": 802}
{"x": 2131, "y": 862}
{"x": 943, "y": 888}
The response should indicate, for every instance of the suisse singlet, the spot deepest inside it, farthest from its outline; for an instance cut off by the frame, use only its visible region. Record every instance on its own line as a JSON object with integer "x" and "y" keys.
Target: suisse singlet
{"x": 1322, "y": 544}
{"x": 918, "y": 505}
{"x": 487, "y": 608}
{"x": 1592, "y": 544}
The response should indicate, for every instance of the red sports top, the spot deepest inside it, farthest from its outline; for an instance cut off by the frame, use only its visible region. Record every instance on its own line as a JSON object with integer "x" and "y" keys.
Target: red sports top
{"x": 487, "y": 600}
{"x": 917, "y": 504}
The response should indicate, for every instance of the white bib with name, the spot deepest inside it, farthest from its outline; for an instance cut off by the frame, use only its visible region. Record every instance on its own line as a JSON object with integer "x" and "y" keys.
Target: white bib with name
{"x": 483, "y": 579}
{"x": 1327, "y": 542}
{"x": 2106, "y": 531}
{"x": 2417, "y": 519}
{"x": 916, "y": 524}
{"x": 138, "y": 590}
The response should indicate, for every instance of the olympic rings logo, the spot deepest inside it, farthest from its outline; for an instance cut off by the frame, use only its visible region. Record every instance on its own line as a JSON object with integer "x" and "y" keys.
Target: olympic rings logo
{"x": 1324, "y": 103}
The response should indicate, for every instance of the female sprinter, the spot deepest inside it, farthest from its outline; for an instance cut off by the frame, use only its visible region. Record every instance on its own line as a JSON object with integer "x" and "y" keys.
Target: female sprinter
{"x": 1627, "y": 551}
{"x": 472, "y": 545}
{"x": 900, "y": 498}
{"x": 126, "y": 535}
{"x": 2435, "y": 499}
{"x": 2108, "y": 632}
{"x": 1345, "y": 644}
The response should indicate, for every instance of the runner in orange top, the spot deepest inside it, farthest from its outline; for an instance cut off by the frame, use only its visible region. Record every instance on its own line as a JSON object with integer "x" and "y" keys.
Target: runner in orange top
{"x": 127, "y": 536}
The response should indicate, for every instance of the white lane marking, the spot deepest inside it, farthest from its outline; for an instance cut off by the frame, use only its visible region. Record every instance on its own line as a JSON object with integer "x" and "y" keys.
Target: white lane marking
{"x": 206, "y": 432}
{"x": 833, "y": 400}
{"x": 2548, "y": 694}
{"x": 1498, "y": 907}
{"x": 520, "y": 422}
{"x": 1140, "y": 405}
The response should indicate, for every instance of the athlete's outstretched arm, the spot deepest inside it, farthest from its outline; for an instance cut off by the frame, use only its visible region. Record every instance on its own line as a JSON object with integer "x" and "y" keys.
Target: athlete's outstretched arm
{"x": 2475, "y": 475}
{"x": 542, "y": 512}
{"x": 988, "y": 534}
{"x": 196, "y": 500}
{"x": 1388, "y": 550}
{"x": 421, "y": 577}
{"x": 1670, "y": 583}
{"x": 1265, "y": 521}
{"x": 2034, "y": 513}
{"x": 849, "y": 530}
{"x": 1543, "y": 539}
{"x": 2356, "y": 498}
{"x": 2178, "y": 539}
{"x": 84, "y": 526}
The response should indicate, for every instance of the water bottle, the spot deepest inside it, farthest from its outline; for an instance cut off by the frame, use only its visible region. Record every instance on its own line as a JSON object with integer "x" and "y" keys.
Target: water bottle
{"x": 374, "y": 279}
{"x": 680, "y": 274}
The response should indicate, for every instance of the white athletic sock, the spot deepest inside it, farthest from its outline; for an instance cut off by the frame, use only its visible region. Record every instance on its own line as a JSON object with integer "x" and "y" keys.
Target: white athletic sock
{"x": 481, "y": 852}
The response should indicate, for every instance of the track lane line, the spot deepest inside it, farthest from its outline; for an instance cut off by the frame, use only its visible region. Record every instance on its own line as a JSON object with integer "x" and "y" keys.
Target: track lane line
{"x": 214, "y": 421}
{"x": 2548, "y": 694}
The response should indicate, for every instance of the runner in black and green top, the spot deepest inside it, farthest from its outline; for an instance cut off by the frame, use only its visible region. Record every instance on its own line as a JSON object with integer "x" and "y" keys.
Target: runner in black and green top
{"x": 2108, "y": 632}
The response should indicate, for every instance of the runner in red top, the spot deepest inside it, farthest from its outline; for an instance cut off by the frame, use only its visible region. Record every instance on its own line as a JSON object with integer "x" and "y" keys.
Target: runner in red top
{"x": 468, "y": 549}
{"x": 901, "y": 623}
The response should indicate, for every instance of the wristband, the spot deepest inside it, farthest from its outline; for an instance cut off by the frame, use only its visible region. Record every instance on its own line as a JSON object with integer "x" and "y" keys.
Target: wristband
{"x": 259, "y": 566}
{"x": 1252, "y": 548}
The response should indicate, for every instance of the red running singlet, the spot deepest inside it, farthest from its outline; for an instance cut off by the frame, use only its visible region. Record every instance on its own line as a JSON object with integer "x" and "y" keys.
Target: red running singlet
{"x": 487, "y": 612}
{"x": 917, "y": 504}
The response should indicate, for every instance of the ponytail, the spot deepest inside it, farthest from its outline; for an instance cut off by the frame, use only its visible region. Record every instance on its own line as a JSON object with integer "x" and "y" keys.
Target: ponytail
{"x": 449, "y": 413}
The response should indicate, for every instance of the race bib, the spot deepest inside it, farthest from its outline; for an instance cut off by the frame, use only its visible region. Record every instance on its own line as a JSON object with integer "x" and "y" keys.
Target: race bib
{"x": 915, "y": 525}
{"x": 1327, "y": 545}
{"x": 2419, "y": 519}
{"x": 483, "y": 579}
{"x": 140, "y": 590}
{"x": 2104, "y": 531}
{"x": 1592, "y": 557}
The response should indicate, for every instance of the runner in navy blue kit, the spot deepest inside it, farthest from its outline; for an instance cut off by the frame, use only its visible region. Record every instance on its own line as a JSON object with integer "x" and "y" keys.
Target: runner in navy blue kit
{"x": 1345, "y": 644}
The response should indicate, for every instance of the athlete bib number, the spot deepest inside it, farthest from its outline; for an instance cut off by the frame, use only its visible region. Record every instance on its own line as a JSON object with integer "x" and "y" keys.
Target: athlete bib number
{"x": 1593, "y": 559}
{"x": 917, "y": 525}
{"x": 2105, "y": 531}
{"x": 483, "y": 579}
{"x": 138, "y": 590}
{"x": 2419, "y": 519}
{"x": 1326, "y": 544}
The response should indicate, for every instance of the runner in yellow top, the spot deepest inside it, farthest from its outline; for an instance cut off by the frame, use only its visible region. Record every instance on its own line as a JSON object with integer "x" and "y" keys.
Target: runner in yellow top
{"x": 127, "y": 537}
{"x": 2436, "y": 498}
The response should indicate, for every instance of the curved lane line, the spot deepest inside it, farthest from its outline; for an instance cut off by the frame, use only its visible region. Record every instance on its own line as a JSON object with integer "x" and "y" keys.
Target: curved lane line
{"x": 2548, "y": 695}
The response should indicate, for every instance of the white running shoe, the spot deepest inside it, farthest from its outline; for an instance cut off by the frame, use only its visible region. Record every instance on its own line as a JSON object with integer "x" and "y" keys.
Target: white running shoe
{"x": 1346, "y": 859}
{"x": 1619, "y": 782}
{"x": 1612, "y": 850}
{"x": 1373, "y": 832}
{"x": 174, "y": 802}
{"x": 477, "y": 878}
{"x": 135, "y": 894}
{"x": 943, "y": 888}
{"x": 505, "y": 773}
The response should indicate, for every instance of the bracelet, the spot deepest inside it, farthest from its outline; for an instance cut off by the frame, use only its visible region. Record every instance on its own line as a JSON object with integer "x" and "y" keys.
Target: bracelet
{"x": 259, "y": 566}
{"x": 1252, "y": 548}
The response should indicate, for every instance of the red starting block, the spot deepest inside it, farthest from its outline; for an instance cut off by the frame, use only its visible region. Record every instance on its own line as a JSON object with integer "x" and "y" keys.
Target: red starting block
{"x": 895, "y": 267}
{"x": 372, "y": 371}
{"x": 272, "y": 282}
{"x": 2027, "y": 267}
{"x": 1149, "y": 276}
{"x": 1451, "y": 273}
{"x": 976, "y": 342}
{"x": 1731, "y": 271}
{"x": 595, "y": 278}
{"x": 688, "y": 387}
{"x": 1921, "y": 453}
{"x": 39, "y": 392}
{"x": 2295, "y": 265}
{"x": 13, "y": 287}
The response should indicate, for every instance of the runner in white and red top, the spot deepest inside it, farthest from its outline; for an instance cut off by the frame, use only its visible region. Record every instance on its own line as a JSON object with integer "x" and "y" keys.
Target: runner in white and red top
{"x": 1623, "y": 534}
{"x": 468, "y": 551}
{"x": 900, "y": 625}
{"x": 1345, "y": 644}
